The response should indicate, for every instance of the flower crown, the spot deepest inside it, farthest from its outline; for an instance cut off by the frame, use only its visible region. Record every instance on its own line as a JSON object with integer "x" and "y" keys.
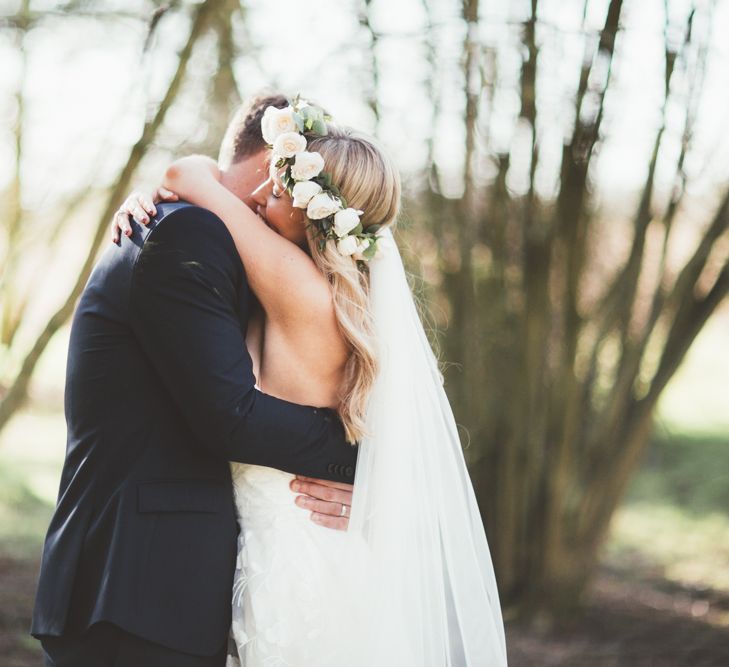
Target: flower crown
{"x": 286, "y": 131}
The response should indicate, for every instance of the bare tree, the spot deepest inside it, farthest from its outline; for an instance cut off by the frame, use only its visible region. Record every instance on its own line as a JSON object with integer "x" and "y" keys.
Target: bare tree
{"x": 556, "y": 382}
{"x": 556, "y": 361}
{"x": 16, "y": 393}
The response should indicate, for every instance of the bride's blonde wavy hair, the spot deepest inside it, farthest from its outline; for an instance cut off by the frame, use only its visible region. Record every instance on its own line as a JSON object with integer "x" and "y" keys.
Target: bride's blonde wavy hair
{"x": 369, "y": 181}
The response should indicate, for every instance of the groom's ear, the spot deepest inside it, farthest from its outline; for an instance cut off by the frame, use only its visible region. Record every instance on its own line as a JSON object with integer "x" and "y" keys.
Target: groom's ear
{"x": 244, "y": 177}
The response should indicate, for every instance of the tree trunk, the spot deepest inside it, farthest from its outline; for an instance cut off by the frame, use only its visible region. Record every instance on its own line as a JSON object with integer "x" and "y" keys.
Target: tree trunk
{"x": 555, "y": 430}
{"x": 18, "y": 390}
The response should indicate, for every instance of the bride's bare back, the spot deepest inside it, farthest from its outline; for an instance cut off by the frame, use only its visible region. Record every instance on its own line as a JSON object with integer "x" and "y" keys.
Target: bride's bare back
{"x": 295, "y": 341}
{"x": 303, "y": 366}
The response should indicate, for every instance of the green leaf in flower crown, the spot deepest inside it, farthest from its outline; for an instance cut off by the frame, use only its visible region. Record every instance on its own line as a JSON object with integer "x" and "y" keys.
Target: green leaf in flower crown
{"x": 372, "y": 229}
{"x": 327, "y": 178}
{"x": 320, "y": 127}
{"x": 295, "y": 101}
{"x": 299, "y": 121}
{"x": 342, "y": 201}
{"x": 357, "y": 229}
{"x": 312, "y": 112}
{"x": 369, "y": 253}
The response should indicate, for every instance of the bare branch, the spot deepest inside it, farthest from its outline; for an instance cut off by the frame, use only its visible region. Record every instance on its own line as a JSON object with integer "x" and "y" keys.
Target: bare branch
{"x": 689, "y": 321}
{"x": 17, "y": 392}
{"x": 372, "y": 96}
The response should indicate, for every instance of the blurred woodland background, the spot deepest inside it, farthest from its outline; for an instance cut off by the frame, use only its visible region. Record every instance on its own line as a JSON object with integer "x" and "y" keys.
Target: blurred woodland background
{"x": 566, "y": 165}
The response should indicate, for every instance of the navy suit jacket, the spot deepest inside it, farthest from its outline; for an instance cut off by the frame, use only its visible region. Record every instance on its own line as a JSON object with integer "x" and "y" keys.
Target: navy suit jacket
{"x": 159, "y": 398}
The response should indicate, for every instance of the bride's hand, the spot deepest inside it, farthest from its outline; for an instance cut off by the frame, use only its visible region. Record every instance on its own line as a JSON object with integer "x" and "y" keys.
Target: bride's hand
{"x": 140, "y": 206}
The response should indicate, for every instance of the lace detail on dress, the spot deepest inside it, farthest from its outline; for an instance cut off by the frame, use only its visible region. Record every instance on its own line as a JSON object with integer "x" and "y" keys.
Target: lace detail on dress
{"x": 287, "y": 587}
{"x": 288, "y": 576}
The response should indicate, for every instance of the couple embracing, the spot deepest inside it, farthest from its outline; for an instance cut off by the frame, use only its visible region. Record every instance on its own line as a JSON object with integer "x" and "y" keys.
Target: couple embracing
{"x": 262, "y": 466}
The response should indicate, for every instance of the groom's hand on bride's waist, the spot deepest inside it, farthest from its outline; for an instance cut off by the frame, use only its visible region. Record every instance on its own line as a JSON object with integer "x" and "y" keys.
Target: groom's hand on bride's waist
{"x": 329, "y": 502}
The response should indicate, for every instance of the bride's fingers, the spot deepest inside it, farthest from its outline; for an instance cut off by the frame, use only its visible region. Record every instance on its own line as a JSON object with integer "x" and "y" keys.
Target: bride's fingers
{"x": 139, "y": 206}
{"x": 147, "y": 204}
{"x": 114, "y": 230}
{"x": 139, "y": 214}
{"x": 121, "y": 223}
{"x": 130, "y": 202}
{"x": 163, "y": 194}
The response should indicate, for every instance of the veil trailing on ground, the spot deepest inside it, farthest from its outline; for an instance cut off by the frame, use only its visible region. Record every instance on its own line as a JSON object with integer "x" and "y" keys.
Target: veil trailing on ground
{"x": 424, "y": 594}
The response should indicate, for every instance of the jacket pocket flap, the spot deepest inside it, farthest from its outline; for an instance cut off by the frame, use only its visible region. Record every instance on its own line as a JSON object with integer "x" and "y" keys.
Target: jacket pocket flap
{"x": 182, "y": 496}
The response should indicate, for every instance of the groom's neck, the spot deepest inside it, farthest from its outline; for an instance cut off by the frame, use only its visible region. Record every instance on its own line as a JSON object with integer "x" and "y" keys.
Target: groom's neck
{"x": 243, "y": 177}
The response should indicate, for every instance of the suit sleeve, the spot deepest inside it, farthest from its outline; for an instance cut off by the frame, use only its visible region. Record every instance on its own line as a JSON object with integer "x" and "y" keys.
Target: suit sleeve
{"x": 187, "y": 291}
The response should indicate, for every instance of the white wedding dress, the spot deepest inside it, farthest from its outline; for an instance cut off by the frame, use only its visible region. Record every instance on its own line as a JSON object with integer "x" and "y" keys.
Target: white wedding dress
{"x": 411, "y": 583}
{"x": 286, "y": 587}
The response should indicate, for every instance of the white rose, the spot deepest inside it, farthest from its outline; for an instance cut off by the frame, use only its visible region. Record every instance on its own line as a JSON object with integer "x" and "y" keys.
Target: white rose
{"x": 303, "y": 192}
{"x": 321, "y": 206}
{"x": 362, "y": 245}
{"x": 345, "y": 221}
{"x": 347, "y": 246}
{"x": 307, "y": 166}
{"x": 288, "y": 144}
{"x": 266, "y": 129}
{"x": 276, "y": 122}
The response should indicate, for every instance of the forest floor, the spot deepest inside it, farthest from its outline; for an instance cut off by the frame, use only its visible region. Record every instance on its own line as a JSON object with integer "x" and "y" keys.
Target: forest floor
{"x": 631, "y": 620}
{"x": 660, "y": 597}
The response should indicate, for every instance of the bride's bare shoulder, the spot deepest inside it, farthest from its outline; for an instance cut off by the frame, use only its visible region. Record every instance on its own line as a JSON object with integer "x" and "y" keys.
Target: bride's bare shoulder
{"x": 300, "y": 294}
{"x": 311, "y": 316}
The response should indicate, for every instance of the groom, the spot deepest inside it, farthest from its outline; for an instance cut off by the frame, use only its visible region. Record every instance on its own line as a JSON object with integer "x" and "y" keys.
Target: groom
{"x": 138, "y": 561}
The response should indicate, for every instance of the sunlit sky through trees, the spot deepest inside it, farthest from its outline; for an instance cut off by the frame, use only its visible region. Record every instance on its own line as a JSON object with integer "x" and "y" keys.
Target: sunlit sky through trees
{"x": 88, "y": 86}
{"x": 87, "y": 83}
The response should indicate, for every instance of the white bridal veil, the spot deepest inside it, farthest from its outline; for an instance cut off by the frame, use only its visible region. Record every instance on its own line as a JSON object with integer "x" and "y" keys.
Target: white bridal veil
{"x": 424, "y": 592}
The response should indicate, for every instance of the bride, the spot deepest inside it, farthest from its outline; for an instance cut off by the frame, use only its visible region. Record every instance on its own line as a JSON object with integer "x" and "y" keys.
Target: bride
{"x": 411, "y": 582}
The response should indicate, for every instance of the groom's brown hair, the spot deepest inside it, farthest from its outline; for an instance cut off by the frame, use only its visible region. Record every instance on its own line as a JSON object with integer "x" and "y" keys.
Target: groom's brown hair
{"x": 243, "y": 137}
